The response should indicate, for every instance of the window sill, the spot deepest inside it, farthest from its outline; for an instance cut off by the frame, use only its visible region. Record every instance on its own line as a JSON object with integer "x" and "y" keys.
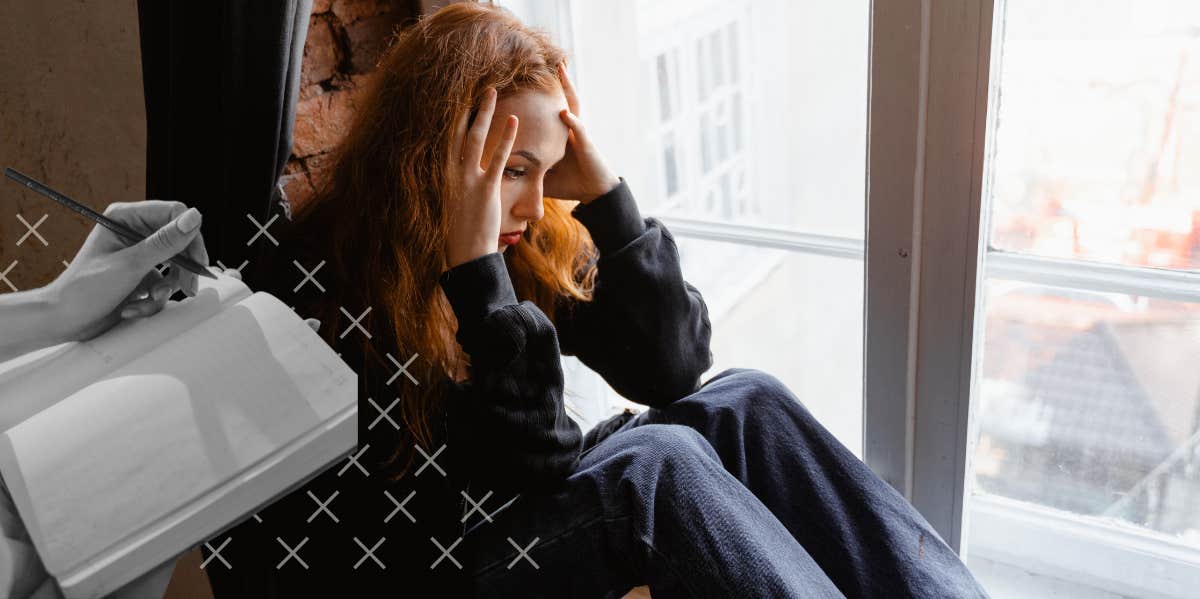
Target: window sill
{"x": 1087, "y": 551}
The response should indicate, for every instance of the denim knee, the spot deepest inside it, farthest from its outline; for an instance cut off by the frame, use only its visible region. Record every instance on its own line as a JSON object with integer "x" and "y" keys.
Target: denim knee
{"x": 661, "y": 442}
{"x": 753, "y": 387}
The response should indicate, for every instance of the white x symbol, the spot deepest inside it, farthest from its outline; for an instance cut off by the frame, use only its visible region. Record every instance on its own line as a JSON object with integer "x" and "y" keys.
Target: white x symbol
{"x": 523, "y": 553}
{"x": 322, "y": 507}
{"x": 370, "y": 553}
{"x": 262, "y": 229}
{"x": 4, "y": 276}
{"x": 291, "y": 553}
{"x": 239, "y": 269}
{"x": 383, "y": 413}
{"x": 32, "y": 229}
{"x": 308, "y": 276}
{"x": 216, "y": 553}
{"x": 354, "y": 462}
{"x": 403, "y": 369}
{"x": 399, "y": 506}
{"x": 430, "y": 460}
{"x": 446, "y": 552}
{"x": 476, "y": 507}
{"x": 353, "y": 321}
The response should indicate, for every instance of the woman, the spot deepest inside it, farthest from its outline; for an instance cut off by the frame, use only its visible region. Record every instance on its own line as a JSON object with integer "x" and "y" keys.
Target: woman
{"x": 470, "y": 478}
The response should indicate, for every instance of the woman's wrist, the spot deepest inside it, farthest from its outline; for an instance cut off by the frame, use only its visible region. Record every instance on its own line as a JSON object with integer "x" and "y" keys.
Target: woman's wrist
{"x": 609, "y": 184}
{"x": 31, "y": 321}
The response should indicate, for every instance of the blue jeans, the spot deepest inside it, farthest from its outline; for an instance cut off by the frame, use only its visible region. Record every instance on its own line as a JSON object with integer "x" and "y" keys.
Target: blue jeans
{"x": 733, "y": 491}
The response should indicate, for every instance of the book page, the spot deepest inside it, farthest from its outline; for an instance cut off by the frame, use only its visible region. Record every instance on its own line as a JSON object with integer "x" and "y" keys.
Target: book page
{"x": 147, "y": 438}
{"x": 36, "y": 380}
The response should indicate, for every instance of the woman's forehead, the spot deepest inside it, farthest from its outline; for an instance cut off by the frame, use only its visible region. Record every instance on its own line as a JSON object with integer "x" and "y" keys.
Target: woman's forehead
{"x": 539, "y": 124}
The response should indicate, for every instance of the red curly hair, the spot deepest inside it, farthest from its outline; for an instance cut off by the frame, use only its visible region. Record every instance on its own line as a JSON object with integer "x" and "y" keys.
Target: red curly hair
{"x": 380, "y": 211}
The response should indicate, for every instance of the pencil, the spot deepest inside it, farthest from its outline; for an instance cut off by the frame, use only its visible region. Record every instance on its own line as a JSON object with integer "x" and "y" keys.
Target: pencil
{"x": 126, "y": 234}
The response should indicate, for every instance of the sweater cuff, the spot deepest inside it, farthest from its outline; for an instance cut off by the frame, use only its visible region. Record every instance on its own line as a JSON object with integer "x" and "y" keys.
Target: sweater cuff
{"x": 477, "y": 288}
{"x": 613, "y": 219}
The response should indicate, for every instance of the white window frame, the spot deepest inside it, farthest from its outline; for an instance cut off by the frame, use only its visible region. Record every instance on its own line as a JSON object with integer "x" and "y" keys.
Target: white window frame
{"x": 931, "y": 105}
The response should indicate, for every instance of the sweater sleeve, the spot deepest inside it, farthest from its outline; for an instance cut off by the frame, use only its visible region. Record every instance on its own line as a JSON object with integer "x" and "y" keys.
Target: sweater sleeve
{"x": 646, "y": 330}
{"x": 516, "y": 427}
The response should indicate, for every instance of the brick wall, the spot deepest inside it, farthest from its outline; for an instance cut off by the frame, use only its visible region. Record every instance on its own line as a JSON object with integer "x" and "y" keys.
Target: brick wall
{"x": 345, "y": 40}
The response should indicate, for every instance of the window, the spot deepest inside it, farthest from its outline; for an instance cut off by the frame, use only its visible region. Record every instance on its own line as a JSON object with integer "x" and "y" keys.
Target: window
{"x": 1089, "y": 395}
{"x": 736, "y": 137}
{"x": 1020, "y": 360}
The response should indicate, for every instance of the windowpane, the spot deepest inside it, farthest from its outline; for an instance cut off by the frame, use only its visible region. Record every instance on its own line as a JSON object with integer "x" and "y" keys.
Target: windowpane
{"x": 717, "y": 60}
{"x": 1088, "y": 403}
{"x": 766, "y": 313}
{"x": 791, "y": 81}
{"x": 672, "y": 174}
{"x": 731, "y": 30}
{"x": 664, "y": 88}
{"x": 1099, "y": 132}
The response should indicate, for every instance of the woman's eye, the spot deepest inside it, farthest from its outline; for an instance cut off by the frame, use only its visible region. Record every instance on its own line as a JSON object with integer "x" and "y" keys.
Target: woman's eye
{"x": 512, "y": 173}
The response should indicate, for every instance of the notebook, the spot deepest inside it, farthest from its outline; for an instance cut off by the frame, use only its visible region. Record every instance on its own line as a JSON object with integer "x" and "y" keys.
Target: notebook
{"x": 125, "y": 451}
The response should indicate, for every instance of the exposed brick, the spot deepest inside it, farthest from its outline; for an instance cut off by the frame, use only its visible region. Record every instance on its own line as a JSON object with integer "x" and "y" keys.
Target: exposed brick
{"x": 321, "y": 53}
{"x": 298, "y": 188}
{"x": 318, "y": 166}
{"x": 349, "y": 11}
{"x": 368, "y": 39}
{"x": 321, "y": 6}
{"x": 321, "y": 121}
{"x": 309, "y": 91}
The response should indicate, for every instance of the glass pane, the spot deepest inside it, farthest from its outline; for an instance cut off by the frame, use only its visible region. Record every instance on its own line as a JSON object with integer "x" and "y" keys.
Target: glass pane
{"x": 814, "y": 346}
{"x": 792, "y": 80}
{"x": 1099, "y": 132}
{"x": 732, "y": 33}
{"x": 664, "y": 88}
{"x": 669, "y": 164}
{"x": 1090, "y": 403}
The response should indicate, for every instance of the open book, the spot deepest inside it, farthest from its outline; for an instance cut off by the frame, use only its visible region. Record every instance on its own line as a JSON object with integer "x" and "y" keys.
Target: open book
{"x": 128, "y": 450}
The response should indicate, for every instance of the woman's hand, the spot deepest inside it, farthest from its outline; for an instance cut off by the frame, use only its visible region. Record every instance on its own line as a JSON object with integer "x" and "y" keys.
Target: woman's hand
{"x": 109, "y": 281}
{"x": 582, "y": 174}
{"x": 474, "y": 203}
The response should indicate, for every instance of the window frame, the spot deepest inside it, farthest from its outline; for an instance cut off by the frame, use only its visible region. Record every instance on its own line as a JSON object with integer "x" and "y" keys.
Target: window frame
{"x": 934, "y": 89}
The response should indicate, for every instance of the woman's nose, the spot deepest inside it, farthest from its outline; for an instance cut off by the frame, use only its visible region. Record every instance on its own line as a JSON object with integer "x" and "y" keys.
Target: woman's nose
{"x": 530, "y": 205}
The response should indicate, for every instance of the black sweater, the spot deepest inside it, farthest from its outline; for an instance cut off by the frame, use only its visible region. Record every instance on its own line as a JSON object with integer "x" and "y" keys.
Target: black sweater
{"x": 504, "y": 431}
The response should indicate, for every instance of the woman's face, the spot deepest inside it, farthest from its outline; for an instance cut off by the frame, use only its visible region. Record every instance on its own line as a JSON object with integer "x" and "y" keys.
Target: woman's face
{"x": 541, "y": 142}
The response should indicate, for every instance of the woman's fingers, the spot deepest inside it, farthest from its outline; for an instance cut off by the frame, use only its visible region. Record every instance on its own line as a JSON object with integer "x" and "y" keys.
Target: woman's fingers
{"x": 479, "y": 129}
{"x": 151, "y": 304}
{"x": 576, "y": 125}
{"x": 143, "y": 307}
{"x": 568, "y": 89}
{"x": 500, "y": 155}
{"x": 175, "y": 279}
{"x": 460, "y": 136}
{"x": 149, "y": 280}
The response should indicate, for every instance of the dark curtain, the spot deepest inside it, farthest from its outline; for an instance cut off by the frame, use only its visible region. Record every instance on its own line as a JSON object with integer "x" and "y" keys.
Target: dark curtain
{"x": 221, "y": 79}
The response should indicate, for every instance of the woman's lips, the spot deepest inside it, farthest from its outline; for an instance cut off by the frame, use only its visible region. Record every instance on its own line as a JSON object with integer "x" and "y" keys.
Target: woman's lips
{"x": 511, "y": 238}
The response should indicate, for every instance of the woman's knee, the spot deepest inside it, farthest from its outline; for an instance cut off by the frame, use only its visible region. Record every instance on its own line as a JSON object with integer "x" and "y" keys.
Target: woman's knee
{"x": 751, "y": 388}
{"x": 657, "y": 443}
